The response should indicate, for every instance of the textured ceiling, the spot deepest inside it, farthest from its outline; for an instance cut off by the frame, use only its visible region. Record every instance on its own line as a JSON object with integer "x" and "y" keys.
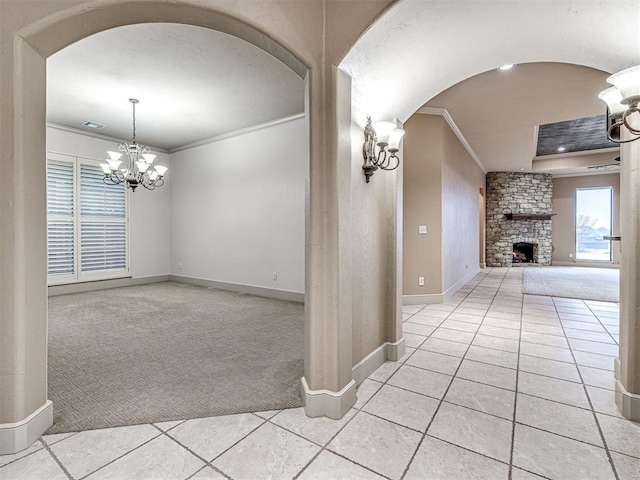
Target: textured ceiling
{"x": 418, "y": 49}
{"x": 192, "y": 83}
{"x": 498, "y": 112}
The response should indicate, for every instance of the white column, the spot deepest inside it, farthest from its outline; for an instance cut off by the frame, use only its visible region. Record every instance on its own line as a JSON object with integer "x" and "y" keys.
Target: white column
{"x": 627, "y": 365}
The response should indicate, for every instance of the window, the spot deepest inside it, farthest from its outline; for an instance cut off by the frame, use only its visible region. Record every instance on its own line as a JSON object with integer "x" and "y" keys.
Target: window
{"x": 86, "y": 222}
{"x": 593, "y": 221}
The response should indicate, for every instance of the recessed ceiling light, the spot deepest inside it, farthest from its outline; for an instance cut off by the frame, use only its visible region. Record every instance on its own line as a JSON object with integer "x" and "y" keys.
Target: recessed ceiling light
{"x": 561, "y": 149}
{"x": 91, "y": 124}
{"x": 506, "y": 67}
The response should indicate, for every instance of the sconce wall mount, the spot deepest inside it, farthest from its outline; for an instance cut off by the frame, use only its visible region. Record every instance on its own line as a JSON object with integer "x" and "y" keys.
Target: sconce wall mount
{"x": 380, "y": 148}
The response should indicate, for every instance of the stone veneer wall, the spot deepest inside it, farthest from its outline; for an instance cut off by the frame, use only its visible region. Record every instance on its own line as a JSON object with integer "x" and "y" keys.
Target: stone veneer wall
{"x": 514, "y": 192}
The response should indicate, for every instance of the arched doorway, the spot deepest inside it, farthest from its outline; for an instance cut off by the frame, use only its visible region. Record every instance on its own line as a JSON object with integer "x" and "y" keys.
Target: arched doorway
{"x": 195, "y": 84}
{"x": 33, "y": 46}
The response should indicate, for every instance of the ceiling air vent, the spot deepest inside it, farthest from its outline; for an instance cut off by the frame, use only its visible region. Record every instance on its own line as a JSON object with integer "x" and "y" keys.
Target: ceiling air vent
{"x": 91, "y": 124}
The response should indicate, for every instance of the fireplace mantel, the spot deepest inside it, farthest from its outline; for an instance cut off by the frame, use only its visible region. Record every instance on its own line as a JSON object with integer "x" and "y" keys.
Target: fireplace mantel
{"x": 529, "y": 216}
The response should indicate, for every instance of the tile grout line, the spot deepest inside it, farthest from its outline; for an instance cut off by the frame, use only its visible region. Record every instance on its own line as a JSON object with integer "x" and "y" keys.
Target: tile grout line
{"x": 435, "y": 413}
{"x": 206, "y": 462}
{"x": 595, "y": 417}
{"x": 56, "y": 459}
{"x": 324, "y": 448}
{"x": 124, "y": 454}
{"x": 603, "y": 325}
{"x": 19, "y": 458}
{"x": 515, "y": 397}
{"x": 515, "y": 392}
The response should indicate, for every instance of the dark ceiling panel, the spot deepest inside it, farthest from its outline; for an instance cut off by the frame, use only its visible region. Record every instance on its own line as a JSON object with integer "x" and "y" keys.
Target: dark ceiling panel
{"x": 574, "y": 135}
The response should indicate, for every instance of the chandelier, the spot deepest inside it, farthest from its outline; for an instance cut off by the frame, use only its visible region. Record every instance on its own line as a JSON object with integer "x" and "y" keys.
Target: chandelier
{"x": 386, "y": 137}
{"x": 622, "y": 102}
{"x": 138, "y": 169}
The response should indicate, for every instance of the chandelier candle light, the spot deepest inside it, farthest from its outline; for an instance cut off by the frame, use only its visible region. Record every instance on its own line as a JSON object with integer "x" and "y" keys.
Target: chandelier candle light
{"x": 622, "y": 103}
{"x": 386, "y": 136}
{"x": 139, "y": 170}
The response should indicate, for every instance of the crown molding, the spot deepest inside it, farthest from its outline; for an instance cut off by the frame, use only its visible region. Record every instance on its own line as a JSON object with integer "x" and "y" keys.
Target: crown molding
{"x": 99, "y": 136}
{"x": 445, "y": 114}
{"x": 198, "y": 143}
{"x": 585, "y": 174}
{"x": 235, "y": 133}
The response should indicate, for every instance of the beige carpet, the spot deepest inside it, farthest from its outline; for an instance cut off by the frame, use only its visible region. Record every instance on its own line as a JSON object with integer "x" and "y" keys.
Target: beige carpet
{"x": 602, "y": 284}
{"x": 170, "y": 351}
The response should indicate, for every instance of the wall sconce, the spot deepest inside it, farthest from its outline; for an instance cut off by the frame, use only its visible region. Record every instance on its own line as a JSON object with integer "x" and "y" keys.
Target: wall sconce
{"x": 386, "y": 136}
{"x": 622, "y": 101}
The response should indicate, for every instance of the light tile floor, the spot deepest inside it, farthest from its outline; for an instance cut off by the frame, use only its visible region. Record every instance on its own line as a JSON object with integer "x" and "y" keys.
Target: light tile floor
{"x": 495, "y": 385}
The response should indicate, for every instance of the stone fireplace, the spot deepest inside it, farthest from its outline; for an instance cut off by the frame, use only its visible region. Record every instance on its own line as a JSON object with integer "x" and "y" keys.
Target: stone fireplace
{"x": 518, "y": 211}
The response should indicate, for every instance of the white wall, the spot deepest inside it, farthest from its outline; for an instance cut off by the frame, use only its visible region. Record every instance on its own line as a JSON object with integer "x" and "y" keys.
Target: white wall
{"x": 149, "y": 211}
{"x": 238, "y": 208}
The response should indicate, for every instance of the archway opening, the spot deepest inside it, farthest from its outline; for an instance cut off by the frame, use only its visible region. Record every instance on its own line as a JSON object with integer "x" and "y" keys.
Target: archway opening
{"x": 279, "y": 253}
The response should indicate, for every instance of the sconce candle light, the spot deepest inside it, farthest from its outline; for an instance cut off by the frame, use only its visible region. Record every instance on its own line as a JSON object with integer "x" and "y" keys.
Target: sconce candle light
{"x": 386, "y": 137}
{"x": 622, "y": 101}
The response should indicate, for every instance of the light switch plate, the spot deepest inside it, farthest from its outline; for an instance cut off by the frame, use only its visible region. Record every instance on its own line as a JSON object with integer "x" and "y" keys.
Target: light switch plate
{"x": 422, "y": 229}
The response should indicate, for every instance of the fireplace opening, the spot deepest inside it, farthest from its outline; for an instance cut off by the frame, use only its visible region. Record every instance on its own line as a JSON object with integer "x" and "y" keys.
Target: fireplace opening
{"x": 523, "y": 252}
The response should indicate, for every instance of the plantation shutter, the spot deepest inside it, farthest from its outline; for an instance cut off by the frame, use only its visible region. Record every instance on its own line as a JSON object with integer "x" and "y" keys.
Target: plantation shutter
{"x": 103, "y": 227}
{"x": 60, "y": 219}
{"x": 87, "y": 230}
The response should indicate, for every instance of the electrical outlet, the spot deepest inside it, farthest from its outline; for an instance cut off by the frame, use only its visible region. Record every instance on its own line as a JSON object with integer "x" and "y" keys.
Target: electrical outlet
{"x": 421, "y": 281}
{"x": 571, "y": 255}
{"x": 422, "y": 229}
{"x": 180, "y": 266}
{"x": 274, "y": 275}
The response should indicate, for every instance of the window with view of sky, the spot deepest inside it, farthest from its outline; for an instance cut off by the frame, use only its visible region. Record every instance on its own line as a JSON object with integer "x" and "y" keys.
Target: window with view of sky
{"x": 593, "y": 222}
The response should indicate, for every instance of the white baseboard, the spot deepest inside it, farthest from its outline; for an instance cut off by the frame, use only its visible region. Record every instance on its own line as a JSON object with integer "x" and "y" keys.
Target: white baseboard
{"x": 449, "y": 292}
{"x": 369, "y": 364}
{"x": 425, "y": 298}
{"x": 628, "y": 403}
{"x": 236, "y": 287}
{"x": 397, "y": 350}
{"x": 15, "y": 437}
{"x": 555, "y": 263}
{"x": 429, "y": 298}
{"x": 325, "y": 403}
{"x": 54, "y": 290}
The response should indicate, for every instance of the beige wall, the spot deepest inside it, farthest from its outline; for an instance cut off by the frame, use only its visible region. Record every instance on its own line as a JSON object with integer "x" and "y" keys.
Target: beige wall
{"x": 564, "y": 236}
{"x": 423, "y": 155}
{"x": 441, "y": 188}
{"x": 462, "y": 180}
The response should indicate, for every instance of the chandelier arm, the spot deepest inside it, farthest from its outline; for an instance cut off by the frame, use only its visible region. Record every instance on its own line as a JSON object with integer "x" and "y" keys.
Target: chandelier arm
{"x": 628, "y": 112}
{"x": 619, "y": 124}
{"x": 394, "y": 157}
{"x": 380, "y": 160}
